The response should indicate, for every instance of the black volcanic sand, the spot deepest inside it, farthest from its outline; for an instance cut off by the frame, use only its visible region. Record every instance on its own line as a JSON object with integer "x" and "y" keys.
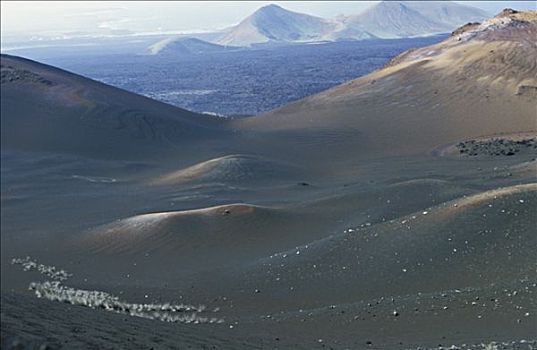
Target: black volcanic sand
{"x": 314, "y": 242}
{"x": 311, "y": 262}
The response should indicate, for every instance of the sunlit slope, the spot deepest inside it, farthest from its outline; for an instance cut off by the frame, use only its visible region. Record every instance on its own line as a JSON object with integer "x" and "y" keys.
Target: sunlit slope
{"x": 481, "y": 81}
{"x": 234, "y": 168}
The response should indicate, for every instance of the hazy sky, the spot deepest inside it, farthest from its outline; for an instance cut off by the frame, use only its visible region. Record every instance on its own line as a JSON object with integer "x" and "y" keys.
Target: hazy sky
{"x": 46, "y": 18}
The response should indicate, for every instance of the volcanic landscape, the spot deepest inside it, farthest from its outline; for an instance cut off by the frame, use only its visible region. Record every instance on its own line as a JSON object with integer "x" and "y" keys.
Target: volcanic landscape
{"x": 394, "y": 211}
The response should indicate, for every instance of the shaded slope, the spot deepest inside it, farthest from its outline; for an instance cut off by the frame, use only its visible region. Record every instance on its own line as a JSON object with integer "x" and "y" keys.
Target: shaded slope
{"x": 479, "y": 240}
{"x": 47, "y": 109}
{"x": 25, "y": 318}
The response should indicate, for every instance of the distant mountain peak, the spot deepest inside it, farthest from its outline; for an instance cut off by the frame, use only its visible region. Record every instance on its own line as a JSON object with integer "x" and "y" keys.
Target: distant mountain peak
{"x": 185, "y": 46}
{"x": 271, "y": 7}
{"x": 392, "y": 4}
{"x": 396, "y": 19}
{"x": 386, "y": 19}
{"x": 277, "y": 24}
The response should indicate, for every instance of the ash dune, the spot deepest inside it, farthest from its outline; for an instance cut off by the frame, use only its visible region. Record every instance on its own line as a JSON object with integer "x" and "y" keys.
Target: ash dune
{"x": 133, "y": 231}
{"x": 240, "y": 232}
{"x": 231, "y": 168}
{"x": 496, "y": 248}
{"x": 221, "y": 235}
{"x": 337, "y": 221}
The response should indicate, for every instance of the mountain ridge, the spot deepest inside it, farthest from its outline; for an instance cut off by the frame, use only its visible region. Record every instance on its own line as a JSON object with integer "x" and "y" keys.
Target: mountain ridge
{"x": 385, "y": 20}
{"x": 395, "y": 20}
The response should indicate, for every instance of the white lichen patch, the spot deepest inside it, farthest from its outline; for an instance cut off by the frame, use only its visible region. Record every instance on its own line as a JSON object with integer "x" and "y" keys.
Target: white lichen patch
{"x": 50, "y": 271}
{"x": 56, "y": 291}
